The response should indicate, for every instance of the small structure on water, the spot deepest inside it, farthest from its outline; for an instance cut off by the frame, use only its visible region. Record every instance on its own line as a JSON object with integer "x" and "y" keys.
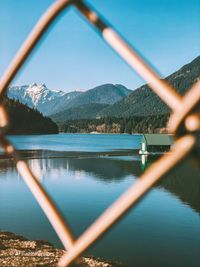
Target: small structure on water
{"x": 155, "y": 143}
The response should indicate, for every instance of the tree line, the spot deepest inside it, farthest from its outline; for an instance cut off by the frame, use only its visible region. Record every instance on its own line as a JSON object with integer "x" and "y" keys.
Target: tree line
{"x": 24, "y": 120}
{"x": 134, "y": 124}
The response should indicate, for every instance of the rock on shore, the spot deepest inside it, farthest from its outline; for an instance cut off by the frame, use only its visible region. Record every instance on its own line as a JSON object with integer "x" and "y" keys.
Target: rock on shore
{"x": 17, "y": 251}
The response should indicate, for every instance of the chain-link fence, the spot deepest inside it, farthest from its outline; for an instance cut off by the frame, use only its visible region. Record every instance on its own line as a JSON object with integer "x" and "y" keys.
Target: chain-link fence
{"x": 183, "y": 116}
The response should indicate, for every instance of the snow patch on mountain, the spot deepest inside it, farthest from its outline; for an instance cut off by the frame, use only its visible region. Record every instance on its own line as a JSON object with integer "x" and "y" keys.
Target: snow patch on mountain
{"x": 33, "y": 95}
{"x": 49, "y": 102}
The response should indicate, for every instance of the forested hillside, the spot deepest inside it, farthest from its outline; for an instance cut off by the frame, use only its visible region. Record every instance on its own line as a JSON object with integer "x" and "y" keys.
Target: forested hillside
{"x": 24, "y": 120}
{"x": 144, "y": 102}
{"x": 142, "y": 111}
{"x": 82, "y": 112}
{"x": 106, "y": 108}
{"x": 86, "y": 103}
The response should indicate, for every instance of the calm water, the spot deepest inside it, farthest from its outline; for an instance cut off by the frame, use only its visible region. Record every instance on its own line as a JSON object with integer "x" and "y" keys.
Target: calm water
{"x": 77, "y": 142}
{"x": 163, "y": 230}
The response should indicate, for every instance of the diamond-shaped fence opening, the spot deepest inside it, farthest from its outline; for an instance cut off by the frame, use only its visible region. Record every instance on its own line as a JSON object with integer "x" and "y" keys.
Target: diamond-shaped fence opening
{"x": 182, "y": 115}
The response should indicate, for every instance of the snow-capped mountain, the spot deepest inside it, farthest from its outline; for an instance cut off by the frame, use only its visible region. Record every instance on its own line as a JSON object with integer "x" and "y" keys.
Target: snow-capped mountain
{"x": 33, "y": 95}
{"x": 38, "y": 96}
{"x": 50, "y": 102}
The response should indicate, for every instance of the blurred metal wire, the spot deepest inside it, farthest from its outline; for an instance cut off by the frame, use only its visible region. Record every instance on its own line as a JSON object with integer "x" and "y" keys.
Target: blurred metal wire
{"x": 182, "y": 115}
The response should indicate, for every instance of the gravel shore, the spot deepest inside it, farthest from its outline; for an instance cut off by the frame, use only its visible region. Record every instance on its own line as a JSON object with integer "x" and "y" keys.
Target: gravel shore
{"x": 17, "y": 251}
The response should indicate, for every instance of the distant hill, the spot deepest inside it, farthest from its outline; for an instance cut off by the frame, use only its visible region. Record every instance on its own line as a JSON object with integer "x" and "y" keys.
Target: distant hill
{"x": 24, "y": 120}
{"x": 144, "y": 102}
{"x": 105, "y": 101}
{"x": 81, "y": 112}
{"x": 142, "y": 111}
{"x": 59, "y": 103}
{"x": 50, "y": 102}
{"x": 89, "y": 103}
{"x": 103, "y": 94}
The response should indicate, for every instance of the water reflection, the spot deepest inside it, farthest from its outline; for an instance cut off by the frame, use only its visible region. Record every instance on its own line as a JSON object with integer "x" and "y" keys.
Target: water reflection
{"x": 183, "y": 182}
{"x": 164, "y": 223}
{"x": 144, "y": 159}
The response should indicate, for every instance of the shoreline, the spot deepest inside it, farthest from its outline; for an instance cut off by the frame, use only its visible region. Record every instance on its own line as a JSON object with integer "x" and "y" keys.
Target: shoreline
{"x": 40, "y": 153}
{"x": 61, "y": 133}
{"x": 18, "y": 251}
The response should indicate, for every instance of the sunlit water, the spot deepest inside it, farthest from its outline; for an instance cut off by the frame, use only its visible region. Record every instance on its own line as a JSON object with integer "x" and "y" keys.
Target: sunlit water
{"x": 162, "y": 230}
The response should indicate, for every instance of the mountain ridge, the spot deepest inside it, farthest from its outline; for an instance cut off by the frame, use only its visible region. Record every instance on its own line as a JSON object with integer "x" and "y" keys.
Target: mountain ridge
{"x": 37, "y": 96}
{"x": 107, "y": 100}
{"x": 143, "y": 101}
{"x": 105, "y": 95}
{"x": 81, "y": 112}
{"x": 51, "y": 102}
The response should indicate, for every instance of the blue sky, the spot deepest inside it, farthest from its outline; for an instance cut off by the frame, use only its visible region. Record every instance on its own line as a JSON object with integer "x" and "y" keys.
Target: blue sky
{"x": 73, "y": 56}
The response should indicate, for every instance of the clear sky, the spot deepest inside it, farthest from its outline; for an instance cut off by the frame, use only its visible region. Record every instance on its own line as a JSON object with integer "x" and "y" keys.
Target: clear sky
{"x": 73, "y": 56}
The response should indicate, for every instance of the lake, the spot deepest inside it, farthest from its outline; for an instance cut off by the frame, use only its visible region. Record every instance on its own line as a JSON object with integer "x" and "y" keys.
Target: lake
{"x": 162, "y": 230}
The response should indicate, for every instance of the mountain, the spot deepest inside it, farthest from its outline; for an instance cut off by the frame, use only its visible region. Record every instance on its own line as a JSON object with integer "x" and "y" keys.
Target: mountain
{"x": 144, "y": 102}
{"x": 33, "y": 95}
{"x": 103, "y": 94}
{"x": 39, "y": 96}
{"x": 24, "y": 120}
{"x": 88, "y": 104}
{"x": 58, "y": 103}
{"x": 51, "y": 102}
{"x": 107, "y": 100}
{"x": 81, "y": 112}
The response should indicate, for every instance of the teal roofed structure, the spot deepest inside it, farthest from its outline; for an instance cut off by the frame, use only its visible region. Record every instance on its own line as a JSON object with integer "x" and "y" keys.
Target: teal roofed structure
{"x": 151, "y": 143}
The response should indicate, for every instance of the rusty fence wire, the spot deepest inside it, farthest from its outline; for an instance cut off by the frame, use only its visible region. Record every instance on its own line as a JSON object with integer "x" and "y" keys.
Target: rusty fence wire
{"x": 183, "y": 115}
